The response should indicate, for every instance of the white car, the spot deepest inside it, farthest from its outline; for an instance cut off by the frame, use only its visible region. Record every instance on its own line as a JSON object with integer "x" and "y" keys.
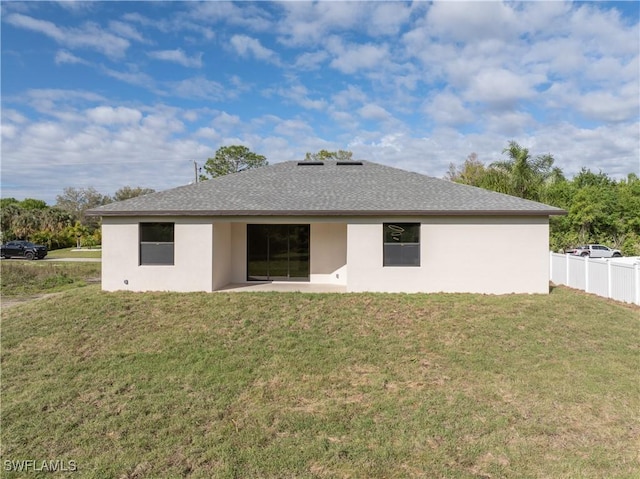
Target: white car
{"x": 596, "y": 251}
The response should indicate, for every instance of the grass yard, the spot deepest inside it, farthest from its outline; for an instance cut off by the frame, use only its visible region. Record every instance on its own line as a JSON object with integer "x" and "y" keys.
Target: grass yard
{"x": 28, "y": 278}
{"x": 290, "y": 385}
{"x": 74, "y": 253}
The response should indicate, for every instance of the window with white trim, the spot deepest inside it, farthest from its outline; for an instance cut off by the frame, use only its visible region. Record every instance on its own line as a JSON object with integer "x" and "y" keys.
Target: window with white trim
{"x": 401, "y": 244}
{"x": 156, "y": 243}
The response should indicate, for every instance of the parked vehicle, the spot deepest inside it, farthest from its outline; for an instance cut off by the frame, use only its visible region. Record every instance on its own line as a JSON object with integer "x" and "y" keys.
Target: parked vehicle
{"x": 23, "y": 249}
{"x": 595, "y": 251}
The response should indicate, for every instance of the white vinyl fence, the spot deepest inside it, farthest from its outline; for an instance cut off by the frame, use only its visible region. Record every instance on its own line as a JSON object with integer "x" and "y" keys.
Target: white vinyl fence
{"x": 615, "y": 278}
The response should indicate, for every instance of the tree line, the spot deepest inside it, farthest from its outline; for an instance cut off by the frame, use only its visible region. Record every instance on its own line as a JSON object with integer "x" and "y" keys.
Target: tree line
{"x": 599, "y": 209}
{"x": 64, "y": 224}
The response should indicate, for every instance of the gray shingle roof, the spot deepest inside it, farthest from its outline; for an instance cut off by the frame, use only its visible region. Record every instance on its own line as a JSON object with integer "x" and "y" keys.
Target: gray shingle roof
{"x": 331, "y": 188}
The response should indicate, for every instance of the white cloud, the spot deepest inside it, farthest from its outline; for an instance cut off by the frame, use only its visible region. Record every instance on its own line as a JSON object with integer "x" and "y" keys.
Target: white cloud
{"x": 292, "y": 128}
{"x": 246, "y": 46}
{"x": 107, "y": 115}
{"x": 133, "y": 77}
{"x": 602, "y": 30}
{"x": 445, "y": 108}
{"x": 127, "y": 31}
{"x": 306, "y": 23}
{"x": 472, "y": 21}
{"x": 75, "y": 5}
{"x": 386, "y": 18}
{"x": 374, "y": 112}
{"x": 63, "y": 56}
{"x": 13, "y": 116}
{"x": 199, "y": 87}
{"x": 299, "y": 94}
{"x": 349, "y": 58}
{"x": 311, "y": 60}
{"x": 509, "y": 124}
{"x": 608, "y": 106}
{"x": 90, "y": 35}
{"x": 8, "y": 131}
{"x": 246, "y": 15}
{"x": 207, "y": 133}
{"x": 225, "y": 122}
{"x": 557, "y": 77}
{"x": 349, "y": 96}
{"x": 500, "y": 87}
{"x": 178, "y": 56}
{"x": 344, "y": 118}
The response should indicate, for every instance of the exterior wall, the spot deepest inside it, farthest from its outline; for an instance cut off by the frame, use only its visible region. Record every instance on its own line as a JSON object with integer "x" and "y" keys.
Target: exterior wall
{"x": 221, "y": 255}
{"x": 328, "y": 253}
{"x": 193, "y": 257}
{"x": 458, "y": 254}
{"x": 238, "y": 253}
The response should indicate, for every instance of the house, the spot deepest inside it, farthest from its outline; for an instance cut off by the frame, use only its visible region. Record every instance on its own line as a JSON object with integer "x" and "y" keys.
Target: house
{"x": 358, "y": 224}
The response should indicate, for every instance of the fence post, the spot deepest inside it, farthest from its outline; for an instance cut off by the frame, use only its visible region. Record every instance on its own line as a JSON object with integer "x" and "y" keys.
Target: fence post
{"x": 566, "y": 264}
{"x": 586, "y": 274}
{"x": 609, "y": 282}
{"x": 636, "y": 267}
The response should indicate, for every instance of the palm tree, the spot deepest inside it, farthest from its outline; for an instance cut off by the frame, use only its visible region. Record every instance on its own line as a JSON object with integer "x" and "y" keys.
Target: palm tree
{"x": 522, "y": 175}
{"x": 26, "y": 223}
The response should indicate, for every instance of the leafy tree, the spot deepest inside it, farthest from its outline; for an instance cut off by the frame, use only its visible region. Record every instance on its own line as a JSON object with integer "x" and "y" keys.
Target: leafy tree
{"x": 471, "y": 172}
{"x": 474, "y": 173}
{"x": 587, "y": 178}
{"x": 524, "y": 176}
{"x": 78, "y": 200}
{"x": 26, "y": 223}
{"x": 9, "y": 212}
{"x": 128, "y": 192}
{"x": 33, "y": 204}
{"x": 629, "y": 197}
{"x": 232, "y": 159}
{"x": 599, "y": 209}
{"x": 5, "y": 202}
{"x": 79, "y": 231}
{"x": 323, "y": 155}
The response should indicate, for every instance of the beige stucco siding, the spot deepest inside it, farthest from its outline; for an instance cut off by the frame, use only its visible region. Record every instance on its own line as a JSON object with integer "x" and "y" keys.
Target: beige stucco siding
{"x": 467, "y": 254}
{"x": 193, "y": 257}
{"x": 328, "y": 253}
{"x": 221, "y": 255}
{"x": 458, "y": 254}
{"x": 238, "y": 253}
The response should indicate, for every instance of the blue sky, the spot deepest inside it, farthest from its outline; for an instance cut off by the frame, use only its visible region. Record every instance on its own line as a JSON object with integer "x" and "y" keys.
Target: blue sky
{"x": 109, "y": 94}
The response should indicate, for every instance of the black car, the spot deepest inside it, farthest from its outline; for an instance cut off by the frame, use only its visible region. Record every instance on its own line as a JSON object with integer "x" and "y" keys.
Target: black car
{"x": 23, "y": 249}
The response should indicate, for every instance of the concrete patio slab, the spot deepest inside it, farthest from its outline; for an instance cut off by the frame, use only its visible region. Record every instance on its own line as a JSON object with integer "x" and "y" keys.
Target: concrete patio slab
{"x": 283, "y": 286}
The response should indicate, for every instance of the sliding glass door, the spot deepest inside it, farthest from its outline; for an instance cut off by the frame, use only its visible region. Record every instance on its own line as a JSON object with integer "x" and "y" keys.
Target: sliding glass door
{"x": 278, "y": 252}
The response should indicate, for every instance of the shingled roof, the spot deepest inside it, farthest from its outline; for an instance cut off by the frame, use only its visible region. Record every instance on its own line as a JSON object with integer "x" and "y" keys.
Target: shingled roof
{"x": 325, "y": 188}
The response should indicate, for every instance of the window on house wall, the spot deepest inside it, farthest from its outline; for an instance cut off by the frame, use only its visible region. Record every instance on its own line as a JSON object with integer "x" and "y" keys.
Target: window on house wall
{"x": 156, "y": 243}
{"x": 401, "y": 244}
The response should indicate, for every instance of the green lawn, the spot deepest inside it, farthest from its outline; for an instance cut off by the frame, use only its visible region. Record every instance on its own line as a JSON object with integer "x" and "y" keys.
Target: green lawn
{"x": 20, "y": 278}
{"x": 74, "y": 253}
{"x": 291, "y": 385}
